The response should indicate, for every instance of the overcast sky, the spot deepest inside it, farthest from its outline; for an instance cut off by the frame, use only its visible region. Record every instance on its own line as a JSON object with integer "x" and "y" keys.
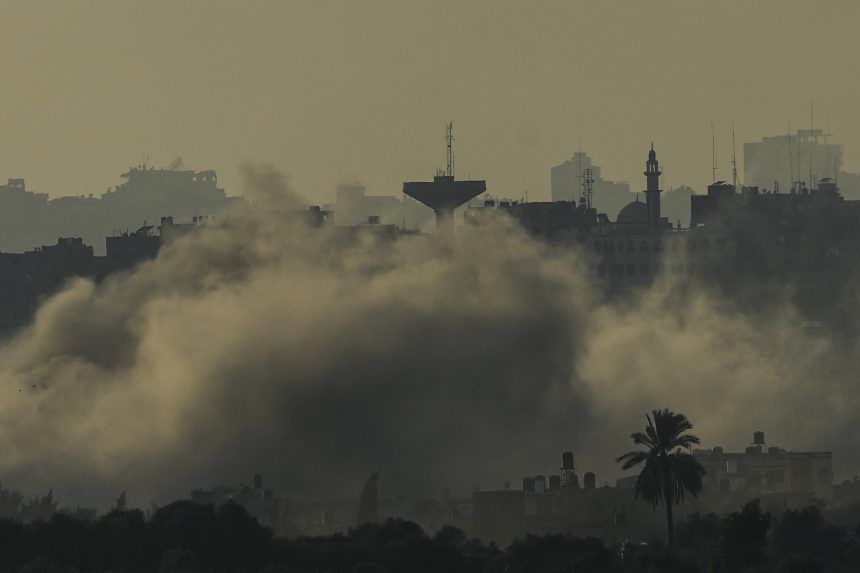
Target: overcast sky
{"x": 340, "y": 91}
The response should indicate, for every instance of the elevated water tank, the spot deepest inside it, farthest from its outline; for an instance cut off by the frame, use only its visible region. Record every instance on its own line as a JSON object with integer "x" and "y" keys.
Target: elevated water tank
{"x": 590, "y": 480}
{"x": 528, "y": 484}
{"x": 567, "y": 461}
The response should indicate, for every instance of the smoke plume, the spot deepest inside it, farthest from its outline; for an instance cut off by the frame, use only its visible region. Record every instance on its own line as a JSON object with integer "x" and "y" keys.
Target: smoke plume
{"x": 319, "y": 355}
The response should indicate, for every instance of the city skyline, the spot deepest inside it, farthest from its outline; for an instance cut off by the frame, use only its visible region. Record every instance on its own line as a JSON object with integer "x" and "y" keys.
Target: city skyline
{"x": 447, "y": 274}
{"x": 309, "y": 88}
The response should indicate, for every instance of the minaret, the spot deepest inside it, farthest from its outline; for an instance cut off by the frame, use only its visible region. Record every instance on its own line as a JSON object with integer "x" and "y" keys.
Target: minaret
{"x": 652, "y": 193}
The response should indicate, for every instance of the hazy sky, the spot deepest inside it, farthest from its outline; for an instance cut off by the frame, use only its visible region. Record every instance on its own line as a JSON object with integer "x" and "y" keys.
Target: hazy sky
{"x": 338, "y": 91}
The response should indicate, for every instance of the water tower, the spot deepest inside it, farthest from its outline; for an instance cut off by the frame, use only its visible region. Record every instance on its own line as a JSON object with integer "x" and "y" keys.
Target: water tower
{"x": 444, "y": 193}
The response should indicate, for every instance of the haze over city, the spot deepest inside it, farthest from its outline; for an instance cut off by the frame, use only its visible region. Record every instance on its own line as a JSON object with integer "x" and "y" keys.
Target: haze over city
{"x": 453, "y": 286}
{"x": 333, "y": 92}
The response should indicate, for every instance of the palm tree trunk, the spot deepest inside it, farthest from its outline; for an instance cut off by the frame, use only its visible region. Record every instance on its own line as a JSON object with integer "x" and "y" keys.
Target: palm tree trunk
{"x": 670, "y": 524}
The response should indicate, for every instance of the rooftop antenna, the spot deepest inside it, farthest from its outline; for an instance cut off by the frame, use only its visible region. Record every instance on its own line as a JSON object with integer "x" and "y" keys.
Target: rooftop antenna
{"x": 811, "y": 137}
{"x": 579, "y": 163}
{"x": 734, "y": 161}
{"x": 449, "y": 139}
{"x": 797, "y": 157}
{"x": 588, "y": 187}
{"x": 826, "y": 145}
{"x": 790, "y": 159}
{"x": 713, "y": 154}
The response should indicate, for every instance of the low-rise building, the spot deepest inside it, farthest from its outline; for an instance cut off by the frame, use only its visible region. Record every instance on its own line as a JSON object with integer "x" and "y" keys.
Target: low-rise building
{"x": 259, "y": 502}
{"x": 762, "y": 470}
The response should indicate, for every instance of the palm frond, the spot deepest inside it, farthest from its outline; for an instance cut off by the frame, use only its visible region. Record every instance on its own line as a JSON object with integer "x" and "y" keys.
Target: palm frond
{"x": 684, "y": 441}
{"x": 667, "y": 471}
{"x": 633, "y": 458}
{"x": 641, "y": 439}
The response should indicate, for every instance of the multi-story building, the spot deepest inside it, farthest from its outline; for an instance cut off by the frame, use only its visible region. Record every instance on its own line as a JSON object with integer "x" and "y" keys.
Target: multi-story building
{"x": 259, "y": 502}
{"x": 779, "y": 163}
{"x": 558, "y": 503}
{"x": 146, "y": 194}
{"x": 567, "y": 182}
{"x": 762, "y": 470}
{"x": 353, "y": 206}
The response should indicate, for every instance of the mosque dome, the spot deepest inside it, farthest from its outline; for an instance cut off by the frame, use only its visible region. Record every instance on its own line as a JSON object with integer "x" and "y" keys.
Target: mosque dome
{"x": 635, "y": 212}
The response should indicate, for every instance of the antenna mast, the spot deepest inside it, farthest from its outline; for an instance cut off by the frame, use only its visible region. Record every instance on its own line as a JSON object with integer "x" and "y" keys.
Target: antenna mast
{"x": 790, "y": 160}
{"x": 734, "y": 162}
{"x": 826, "y": 145}
{"x": 587, "y": 187}
{"x": 449, "y": 139}
{"x": 579, "y": 164}
{"x": 797, "y": 157}
{"x": 811, "y": 148}
{"x": 713, "y": 154}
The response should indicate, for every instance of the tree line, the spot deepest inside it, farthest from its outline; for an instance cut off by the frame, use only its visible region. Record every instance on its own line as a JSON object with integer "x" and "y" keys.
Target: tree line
{"x": 188, "y": 537}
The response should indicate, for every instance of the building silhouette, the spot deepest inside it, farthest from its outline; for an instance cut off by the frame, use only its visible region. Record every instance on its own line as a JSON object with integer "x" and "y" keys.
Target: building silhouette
{"x": 261, "y": 503}
{"x": 566, "y": 184}
{"x": 27, "y": 278}
{"x": 146, "y": 194}
{"x": 762, "y": 470}
{"x": 558, "y": 503}
{"x": 353, "y": 206}
{"x": 781, "y": 163}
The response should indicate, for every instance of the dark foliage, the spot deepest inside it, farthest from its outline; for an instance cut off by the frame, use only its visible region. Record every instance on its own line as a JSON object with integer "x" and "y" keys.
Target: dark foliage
{"x": 668, "y": 471}
{"x": 560, "y": 553}
{"x": 185, "y": 537}
{"x": 743, "y": 538}
{"x": 804, "y": 531}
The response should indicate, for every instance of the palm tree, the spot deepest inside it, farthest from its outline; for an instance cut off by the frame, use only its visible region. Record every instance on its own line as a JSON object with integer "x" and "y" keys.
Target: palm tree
{"x": 667, "y": 472}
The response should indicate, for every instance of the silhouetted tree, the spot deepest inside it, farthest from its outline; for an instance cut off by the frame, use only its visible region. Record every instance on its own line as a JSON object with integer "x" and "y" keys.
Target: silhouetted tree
{"x": 698, "y": 538}
{"x": 367, "y": 506}
{"x": 39, "y": 508}
{"x": 804, "y": 531}
{"x": 743, "y": 538}
{"x": 121, "y": 503}
{"x": 10, "y": 503}
{"x": 559, "y": 553}
{"x": 667, "y": 472}
{"x": 178, "y": 560}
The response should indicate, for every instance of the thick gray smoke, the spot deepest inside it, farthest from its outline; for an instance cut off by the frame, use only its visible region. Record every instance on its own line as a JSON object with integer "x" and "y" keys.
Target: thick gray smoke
{"x": 317, "y": 357}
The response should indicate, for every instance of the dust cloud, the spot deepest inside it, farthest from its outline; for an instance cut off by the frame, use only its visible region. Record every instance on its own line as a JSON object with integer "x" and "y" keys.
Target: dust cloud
{"x": 318, "y": 355}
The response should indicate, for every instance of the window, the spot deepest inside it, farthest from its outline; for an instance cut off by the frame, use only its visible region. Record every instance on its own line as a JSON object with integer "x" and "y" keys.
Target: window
{"x": 643, "y": 269}
{"x": 631, "y": 269}
{"x": 643, "y": 246}
{"x": 658, "y": 246}
{"x": 631, "y": 247}
{"x": 596, "y": 246}
{"x": 601, "y": 270}
{"x": 823, "y": 474}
